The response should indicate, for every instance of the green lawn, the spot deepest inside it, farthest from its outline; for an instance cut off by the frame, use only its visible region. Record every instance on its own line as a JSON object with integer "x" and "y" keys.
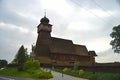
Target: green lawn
{"x": 26, "y": 74}
{"x": 90, "y": 75}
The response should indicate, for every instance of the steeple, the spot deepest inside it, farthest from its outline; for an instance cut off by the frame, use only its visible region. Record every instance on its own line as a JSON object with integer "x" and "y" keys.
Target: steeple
{"x": 44, "y": 20}
{"x": 44, "y": 25}
{"x": 45, "y": 12}
{"x": 44, "y": 37}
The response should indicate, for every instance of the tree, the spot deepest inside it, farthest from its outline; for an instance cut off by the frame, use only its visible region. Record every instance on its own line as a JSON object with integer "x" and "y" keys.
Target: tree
{"x": 22, "y": 55}
{"x": 116, "y": 39}
{"x": 3, "y": 63}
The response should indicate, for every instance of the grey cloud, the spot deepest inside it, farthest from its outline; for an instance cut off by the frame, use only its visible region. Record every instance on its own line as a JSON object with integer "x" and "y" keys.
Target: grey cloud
{"x": 105, "y": 53}
{"x": 7, "y": 15}
{"x": 108, "y": 56}
{"x": 93, "y": 4}
{"x": 8, "y": 49}
{"x": 12, "y": 39}
{"x": 118, "y": 1}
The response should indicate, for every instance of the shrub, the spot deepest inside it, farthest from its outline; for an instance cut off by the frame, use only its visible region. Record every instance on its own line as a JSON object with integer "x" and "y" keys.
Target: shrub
{"x": 20, "y": 68}
{"x": 40, "y": 74}
{"x": 25, "y": 74}
{"x": 32, "y": 64}
{"x": 13, "y": 65}
{"x": 3, "y": 63}
{"x": 76, "y": 65}
{"x": 93, "y": 77}
{"x": 81, "y": 72}
{"x": 65, "y": 69}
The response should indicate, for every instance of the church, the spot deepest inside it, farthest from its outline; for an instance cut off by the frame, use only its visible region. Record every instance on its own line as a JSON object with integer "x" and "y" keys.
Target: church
{"x": 57, "y": 51}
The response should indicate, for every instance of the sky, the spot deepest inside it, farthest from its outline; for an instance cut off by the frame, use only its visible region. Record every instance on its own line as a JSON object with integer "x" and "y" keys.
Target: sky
{"x": 85, "y": 22}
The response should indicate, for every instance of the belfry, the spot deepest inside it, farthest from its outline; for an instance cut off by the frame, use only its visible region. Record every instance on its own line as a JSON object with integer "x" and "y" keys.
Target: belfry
{"x": 44, "y": 37}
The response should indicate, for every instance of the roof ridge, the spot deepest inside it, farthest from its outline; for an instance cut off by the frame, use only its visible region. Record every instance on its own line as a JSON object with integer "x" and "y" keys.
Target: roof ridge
{"x": 61, "y": 38}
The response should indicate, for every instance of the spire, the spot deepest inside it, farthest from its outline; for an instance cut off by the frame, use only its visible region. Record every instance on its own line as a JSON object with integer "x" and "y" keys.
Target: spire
{"x": 44, "y": 20}
{"x": 45, "y": 13}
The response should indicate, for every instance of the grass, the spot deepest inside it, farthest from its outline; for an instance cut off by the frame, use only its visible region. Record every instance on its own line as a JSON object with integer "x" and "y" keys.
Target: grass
{"x": 14, "y": 72}
{"x": 102, "y": 76}
{"x": 90, "y": 75}
{"x": 26, "y": 74}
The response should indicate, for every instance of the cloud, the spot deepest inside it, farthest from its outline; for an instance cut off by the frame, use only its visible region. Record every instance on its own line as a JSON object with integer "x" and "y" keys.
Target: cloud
{"x": 59, "y": 6}
{"x": 9, "y": 15}
{"x": 118, "y": 1}
{"x": 70, "y": 20}
{"x": 12, "y": 37}
{"x": 13, "y": 27}
{"x": 108, "y": 56}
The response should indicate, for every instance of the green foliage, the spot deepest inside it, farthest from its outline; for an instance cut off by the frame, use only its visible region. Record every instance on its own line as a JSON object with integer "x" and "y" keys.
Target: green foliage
{"x": 76, "y": 65}
{"x": 42, "y": 74}
{"x": 81, "y": 72}
{"x": 93, "y": 77}
{"x": 21, "y": 56}
{"x": 3, "y": 63}
{"x": 65, "y": 69}
{"x": 14, "y": 72}
{"x": 90, "y": 75}
{"x": 69, "y": 72}
{"x": 14, "y": 61}
{"x": 20, "y": 68}
{"x": 103, "y": 76}
{"x": 116, "y": 39}
{"x": 29, "y": 69}
{"x": 26, "y": 74}
{"x": 32, "y": 64}
{"x": 33, "y": 67}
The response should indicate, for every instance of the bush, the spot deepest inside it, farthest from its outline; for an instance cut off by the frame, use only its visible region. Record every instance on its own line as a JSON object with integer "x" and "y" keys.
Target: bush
{"x": 25, "y": 74}
{"x": 65, "y": 69}
{"x": 41, "y": 74}
{"x": 32, "y": 64}
{"x": 90, "y": 75}
{"x": 3, "y": 63}
{"x": 13, "y": 65}
{"x": 20, "y": 68}
{"x": 76, "y": 65}
{"x": 93, "y": 77}
{"x": 81, "y": 72}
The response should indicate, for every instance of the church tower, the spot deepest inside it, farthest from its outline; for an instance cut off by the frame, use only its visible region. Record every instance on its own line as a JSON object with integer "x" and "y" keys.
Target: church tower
{"x": 44, "y": 37}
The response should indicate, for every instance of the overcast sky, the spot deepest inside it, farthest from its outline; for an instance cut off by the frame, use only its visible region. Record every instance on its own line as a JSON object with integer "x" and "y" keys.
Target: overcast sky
{"x": 86, "y": 22}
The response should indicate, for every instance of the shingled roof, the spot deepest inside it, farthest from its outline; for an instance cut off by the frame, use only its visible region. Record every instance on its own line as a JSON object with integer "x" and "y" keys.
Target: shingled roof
{"x": 81, "y": 50}
{"x": 59, "y": 45}
{"x": 64, "y": 46}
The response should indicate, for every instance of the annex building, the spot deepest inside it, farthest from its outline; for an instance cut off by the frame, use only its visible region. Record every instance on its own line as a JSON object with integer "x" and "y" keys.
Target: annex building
{"x": 57, "y": 51}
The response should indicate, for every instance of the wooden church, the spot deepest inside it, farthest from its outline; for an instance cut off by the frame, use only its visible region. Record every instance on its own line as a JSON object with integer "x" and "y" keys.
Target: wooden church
{"x": 57, "y": 51}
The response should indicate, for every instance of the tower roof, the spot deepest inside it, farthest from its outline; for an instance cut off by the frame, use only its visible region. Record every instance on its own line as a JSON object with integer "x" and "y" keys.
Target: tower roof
{"x": 44, "y": 20}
